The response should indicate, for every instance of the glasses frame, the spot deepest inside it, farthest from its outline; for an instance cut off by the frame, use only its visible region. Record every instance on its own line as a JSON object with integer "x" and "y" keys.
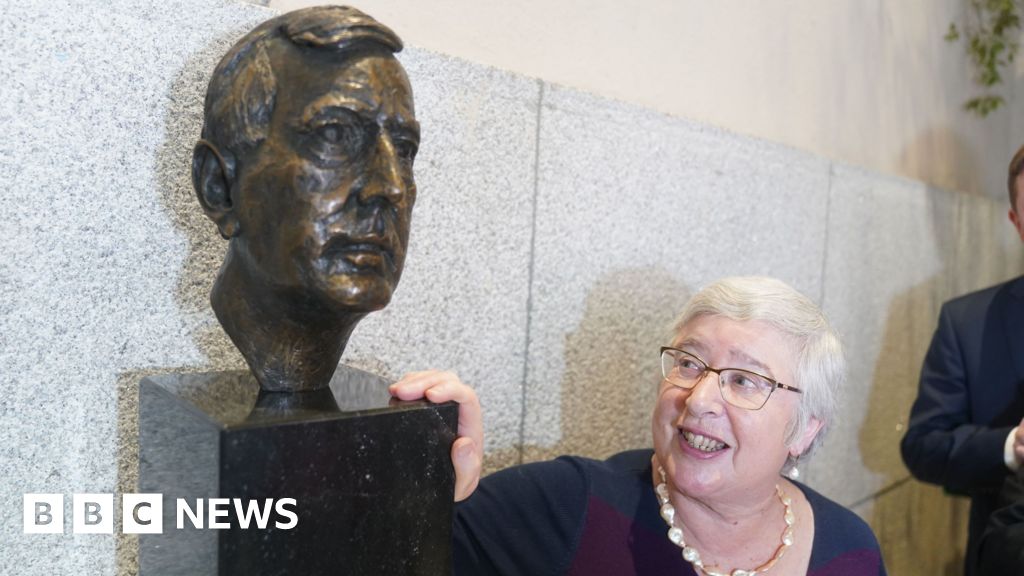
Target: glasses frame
{"x": 718, "y": 371}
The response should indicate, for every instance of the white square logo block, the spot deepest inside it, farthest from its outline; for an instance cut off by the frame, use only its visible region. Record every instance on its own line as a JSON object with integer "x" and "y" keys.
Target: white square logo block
{"x": 142, "y": 514}
{"x": 43, "y": 513}
{"x": 92, "y": 513}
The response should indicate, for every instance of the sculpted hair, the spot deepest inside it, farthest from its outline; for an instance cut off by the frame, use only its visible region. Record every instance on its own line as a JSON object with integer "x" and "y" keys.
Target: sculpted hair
{"x": 820, "y": 364}
{"x": 1016, "y": 167}
{"x": 240, "y": 98}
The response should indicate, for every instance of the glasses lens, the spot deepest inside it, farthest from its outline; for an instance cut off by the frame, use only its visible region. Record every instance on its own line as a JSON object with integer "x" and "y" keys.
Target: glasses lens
{"x": 681, "y": 368}
{"x": 745, "y": 389}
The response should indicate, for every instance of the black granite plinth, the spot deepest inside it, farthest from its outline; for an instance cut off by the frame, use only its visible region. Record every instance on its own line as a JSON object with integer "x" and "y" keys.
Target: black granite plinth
{"x": 371, "y": 476}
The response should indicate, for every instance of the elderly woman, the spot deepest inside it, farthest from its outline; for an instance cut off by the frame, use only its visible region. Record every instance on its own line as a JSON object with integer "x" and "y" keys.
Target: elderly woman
{"x": 749, "y": 380}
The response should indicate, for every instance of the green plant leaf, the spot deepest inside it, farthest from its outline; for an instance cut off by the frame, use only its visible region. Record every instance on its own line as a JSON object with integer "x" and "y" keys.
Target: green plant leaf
{"x": 984, "y": 105}
{"x": 952, "y": 35}
{"x": 991, "y": 46}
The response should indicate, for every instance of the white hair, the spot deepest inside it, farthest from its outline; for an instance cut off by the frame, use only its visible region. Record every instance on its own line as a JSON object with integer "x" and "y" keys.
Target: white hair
{"x": 820, "y": 364}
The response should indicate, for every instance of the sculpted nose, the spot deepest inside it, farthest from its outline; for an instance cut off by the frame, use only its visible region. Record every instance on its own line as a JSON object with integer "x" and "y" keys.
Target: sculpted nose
{"x": 385, "y": 178}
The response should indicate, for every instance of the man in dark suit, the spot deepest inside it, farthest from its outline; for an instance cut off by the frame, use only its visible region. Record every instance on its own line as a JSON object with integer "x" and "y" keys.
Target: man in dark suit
{"x": 966, "y": 429}
{"x": 1001, "y": 547}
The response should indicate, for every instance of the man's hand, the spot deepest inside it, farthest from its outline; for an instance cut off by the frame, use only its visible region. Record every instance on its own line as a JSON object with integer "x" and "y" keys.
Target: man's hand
{"x": 1018, "y": 443}
{"x": 468, "y": 449}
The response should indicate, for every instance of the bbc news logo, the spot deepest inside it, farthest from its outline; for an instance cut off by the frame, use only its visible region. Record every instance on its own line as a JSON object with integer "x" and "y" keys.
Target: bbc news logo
{"x": 143, "y": 513}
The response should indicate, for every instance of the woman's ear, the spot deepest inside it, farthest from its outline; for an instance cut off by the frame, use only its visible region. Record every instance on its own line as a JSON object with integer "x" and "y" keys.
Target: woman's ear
{"x": 800, "y": 444}
{"x": 213, "y": 175}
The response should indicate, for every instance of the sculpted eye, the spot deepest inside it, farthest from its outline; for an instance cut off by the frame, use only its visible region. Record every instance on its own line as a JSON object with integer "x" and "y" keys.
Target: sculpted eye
{"x": 338, "y": 134}
{"x": 406, "y": 148}
{"x": 330, "y": 133}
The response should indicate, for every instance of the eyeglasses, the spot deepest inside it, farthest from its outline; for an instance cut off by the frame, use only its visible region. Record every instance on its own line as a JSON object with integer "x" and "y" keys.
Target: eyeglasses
{"x": 741, "y": 388}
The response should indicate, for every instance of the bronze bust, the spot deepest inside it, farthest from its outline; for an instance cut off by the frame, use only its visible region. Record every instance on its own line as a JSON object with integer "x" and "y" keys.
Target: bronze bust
{"x": 305, "y": 165}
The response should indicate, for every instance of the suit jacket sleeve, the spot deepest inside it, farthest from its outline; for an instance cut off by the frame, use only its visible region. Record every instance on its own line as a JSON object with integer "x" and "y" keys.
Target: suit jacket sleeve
{"x": 942, "y": 445}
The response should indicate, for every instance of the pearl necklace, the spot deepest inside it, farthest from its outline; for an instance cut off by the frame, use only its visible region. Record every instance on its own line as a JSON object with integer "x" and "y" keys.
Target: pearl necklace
{"x": 690, "y": 554}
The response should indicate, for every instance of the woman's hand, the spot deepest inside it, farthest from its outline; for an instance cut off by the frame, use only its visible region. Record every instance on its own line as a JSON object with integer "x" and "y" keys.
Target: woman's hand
{"x": 468, "y": 449}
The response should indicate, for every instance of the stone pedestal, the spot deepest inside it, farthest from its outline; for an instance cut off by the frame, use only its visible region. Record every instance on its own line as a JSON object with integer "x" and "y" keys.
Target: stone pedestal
{"x": 371, "y": 477}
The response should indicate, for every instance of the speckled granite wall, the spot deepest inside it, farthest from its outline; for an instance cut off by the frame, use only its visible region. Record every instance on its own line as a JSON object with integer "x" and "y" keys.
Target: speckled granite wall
{"x": 635, "y": 210}
{"x": 555, "y": 235}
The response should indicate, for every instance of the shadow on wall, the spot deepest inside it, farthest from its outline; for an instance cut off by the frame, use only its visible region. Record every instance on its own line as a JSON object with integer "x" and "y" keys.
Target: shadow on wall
{"x": 206, "y": 248}
{"x": 172, "y": 165}
{"x": 921, "y": 530}
{"x": 612, "y": 370}
{"x": 126, "y": 546}
{"x": 909, "y": 517}
{"x": 939, "y": 156}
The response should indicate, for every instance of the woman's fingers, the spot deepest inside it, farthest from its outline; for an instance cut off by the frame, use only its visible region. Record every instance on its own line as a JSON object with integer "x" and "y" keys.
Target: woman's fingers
{"x": 467, "y": 450}
{"x": 413, "y": 385}
{"x": 447, "y": 388}
{"x": 468, "y": 464}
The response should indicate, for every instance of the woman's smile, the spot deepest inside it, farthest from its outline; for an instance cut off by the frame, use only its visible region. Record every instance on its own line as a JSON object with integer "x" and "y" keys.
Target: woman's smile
{"x": 701, "y": 444}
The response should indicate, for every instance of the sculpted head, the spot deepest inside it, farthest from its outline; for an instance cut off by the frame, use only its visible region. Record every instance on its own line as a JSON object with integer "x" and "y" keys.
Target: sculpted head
{"x": 306, "y": 166}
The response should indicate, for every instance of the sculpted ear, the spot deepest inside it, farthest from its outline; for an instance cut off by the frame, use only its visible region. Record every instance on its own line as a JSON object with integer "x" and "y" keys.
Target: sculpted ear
{"x": 213, "y": 174}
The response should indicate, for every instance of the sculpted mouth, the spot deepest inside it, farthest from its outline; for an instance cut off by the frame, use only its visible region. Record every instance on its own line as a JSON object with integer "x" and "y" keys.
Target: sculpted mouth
{"x": 343, "y": 253}
{"x": 703, "y": 443}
